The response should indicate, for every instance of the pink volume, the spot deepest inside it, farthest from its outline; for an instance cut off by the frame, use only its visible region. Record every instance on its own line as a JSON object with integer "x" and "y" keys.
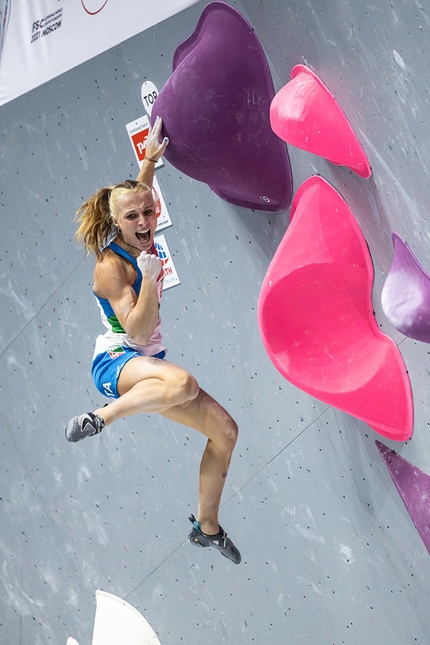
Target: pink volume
{"x": 316, "y": 317}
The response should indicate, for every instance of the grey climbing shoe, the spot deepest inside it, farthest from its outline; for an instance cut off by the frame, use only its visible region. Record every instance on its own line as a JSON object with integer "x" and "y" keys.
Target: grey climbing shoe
{"x": 219, "y": 541}
{"x": 85, "y": 425}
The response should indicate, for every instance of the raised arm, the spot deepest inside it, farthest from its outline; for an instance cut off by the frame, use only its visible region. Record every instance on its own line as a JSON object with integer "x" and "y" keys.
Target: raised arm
{"x": 154, "y": 150}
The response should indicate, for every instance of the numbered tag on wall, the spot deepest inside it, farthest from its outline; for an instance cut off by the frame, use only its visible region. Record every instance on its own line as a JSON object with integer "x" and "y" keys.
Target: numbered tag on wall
{"x": 138, "y": 133}
{"x": 171, "y": 277}
{"x": 148, "y": 93}
{"x": 163, "y": 216}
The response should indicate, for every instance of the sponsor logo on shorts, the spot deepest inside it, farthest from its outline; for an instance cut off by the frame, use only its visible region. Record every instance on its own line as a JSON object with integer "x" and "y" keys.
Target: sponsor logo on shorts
{"x": 116, "y": 351}
{"x": 108, "y": 389}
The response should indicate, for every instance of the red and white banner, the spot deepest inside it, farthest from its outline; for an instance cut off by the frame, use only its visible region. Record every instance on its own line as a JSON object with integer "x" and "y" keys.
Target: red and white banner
{"x": 171, "y": 277}
{"x": 163, "y": 215}
{"x": 41, "y": 39}
{"x": 138, "y": 131}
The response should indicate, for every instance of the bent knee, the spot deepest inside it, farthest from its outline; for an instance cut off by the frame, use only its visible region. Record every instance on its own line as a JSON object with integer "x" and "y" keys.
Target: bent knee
{"x": 187, "y": 387}
{"x": 191, "y": 387}
{"x": 232, "y": 429}
{"x": 229, "y": 434}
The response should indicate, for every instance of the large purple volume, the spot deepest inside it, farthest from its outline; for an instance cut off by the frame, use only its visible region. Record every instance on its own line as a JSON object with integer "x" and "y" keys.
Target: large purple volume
{"x": 414, "y": 488}
{"x": 215, "y": 111}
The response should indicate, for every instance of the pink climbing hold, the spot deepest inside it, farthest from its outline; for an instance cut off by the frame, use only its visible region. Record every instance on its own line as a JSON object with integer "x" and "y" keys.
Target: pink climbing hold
{"x": 413, "y": 487}
{"x": 305, "y": 114}
{"x": 316, "y": 317}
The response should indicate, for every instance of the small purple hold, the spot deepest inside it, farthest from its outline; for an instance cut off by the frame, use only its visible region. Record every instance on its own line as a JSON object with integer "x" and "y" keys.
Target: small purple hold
{"x": 406, "y": 293}
{"x": 414, "y": 488}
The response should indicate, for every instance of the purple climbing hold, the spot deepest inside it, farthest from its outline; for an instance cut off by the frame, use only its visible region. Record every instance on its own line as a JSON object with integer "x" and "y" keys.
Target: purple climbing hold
{"x": 406, "y": 293}
{"x": 215, "y": 110}
{"x": 414, "y": 488}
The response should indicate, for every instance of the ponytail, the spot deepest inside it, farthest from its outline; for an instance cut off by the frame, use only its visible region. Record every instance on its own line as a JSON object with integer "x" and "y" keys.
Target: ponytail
{"x": 95, "y": 219}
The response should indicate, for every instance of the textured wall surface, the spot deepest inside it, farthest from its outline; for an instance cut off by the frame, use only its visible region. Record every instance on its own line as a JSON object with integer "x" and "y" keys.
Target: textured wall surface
{"x": 330, "y": 554}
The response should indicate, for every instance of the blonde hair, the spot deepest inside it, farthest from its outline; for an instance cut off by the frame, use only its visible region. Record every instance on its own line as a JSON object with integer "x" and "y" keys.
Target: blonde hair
{"x": 96, "y": 217}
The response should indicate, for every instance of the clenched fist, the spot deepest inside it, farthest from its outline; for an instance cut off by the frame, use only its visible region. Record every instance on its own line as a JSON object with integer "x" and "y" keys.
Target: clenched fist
{"x": 150, "y": 265}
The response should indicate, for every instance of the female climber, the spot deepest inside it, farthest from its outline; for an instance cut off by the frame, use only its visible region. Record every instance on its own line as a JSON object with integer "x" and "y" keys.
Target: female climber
{"x": 117, "y": 225}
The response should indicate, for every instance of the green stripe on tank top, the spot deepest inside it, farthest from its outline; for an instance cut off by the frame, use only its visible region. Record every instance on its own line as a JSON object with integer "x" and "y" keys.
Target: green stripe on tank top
{"x": 115, "y": 324}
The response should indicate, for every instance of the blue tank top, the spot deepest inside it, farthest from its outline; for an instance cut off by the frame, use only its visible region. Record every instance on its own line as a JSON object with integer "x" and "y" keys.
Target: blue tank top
{"x": 116, "y": 335}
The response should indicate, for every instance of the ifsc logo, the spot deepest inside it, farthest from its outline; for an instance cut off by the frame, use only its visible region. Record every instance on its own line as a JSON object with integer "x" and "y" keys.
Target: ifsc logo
{"x": 161, "y": 253}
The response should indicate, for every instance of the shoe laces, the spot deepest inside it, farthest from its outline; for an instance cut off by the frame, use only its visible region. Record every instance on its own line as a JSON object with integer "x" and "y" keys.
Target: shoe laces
{"x": 96, "y": 422}
{"x": 222, "y": 535}
{"x": 99, "y": 423}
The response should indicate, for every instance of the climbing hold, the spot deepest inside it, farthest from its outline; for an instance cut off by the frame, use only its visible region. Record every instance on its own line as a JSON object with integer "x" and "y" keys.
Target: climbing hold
{"x": 406, "y": 293}
{"x": 316, "y": 318}
{"x": 414, "y": 488}
{"x": 305, "y": 114}
{"x": 215, "y": 111}
{"x": 118, "y": 622}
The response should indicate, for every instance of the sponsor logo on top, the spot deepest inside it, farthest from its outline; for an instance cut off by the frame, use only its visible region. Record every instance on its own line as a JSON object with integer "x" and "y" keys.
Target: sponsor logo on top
{"x": 116, "y": 351}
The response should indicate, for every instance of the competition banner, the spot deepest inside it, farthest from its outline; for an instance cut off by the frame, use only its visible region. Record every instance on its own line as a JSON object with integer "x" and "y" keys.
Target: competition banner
{"x": 171, "y": 277}
{"x": 162, "y": 211}
{"x": 41, "y": 39}
{"x": 138, "y": 131}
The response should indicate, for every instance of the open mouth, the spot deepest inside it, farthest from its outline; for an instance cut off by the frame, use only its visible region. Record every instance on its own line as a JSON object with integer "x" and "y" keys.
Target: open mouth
{"x": 143, "y": 236}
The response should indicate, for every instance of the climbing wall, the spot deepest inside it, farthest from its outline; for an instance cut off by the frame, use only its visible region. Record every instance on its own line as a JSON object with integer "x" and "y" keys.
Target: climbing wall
{"x": 329, "y": 553}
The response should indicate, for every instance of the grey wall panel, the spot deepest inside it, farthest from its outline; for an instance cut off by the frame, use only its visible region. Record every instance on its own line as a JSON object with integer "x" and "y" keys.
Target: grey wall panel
{"x": 330, "y": 554}
{"x": 40, "y": 578}
{"x": 314, "y": 568}
{"x": 385, "y": 509}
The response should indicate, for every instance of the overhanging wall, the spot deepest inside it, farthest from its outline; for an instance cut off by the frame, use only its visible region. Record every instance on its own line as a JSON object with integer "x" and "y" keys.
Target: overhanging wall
{"x": 330, "y": 555}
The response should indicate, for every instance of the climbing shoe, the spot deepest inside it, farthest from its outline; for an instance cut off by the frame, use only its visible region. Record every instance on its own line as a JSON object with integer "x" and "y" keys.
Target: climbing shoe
{"x": 85, "y": 425}
{"x": 219, "y": 541}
